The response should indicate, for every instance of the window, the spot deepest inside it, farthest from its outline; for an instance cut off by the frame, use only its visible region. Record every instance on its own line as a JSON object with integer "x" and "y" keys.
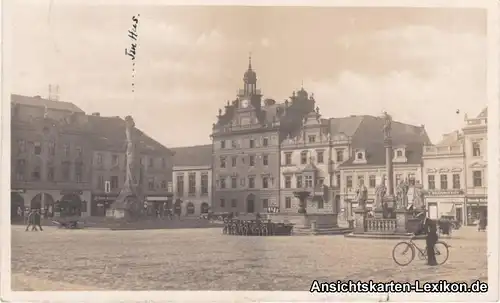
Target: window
{"x": 338, "y": 180}
{"x": 319, "y": 155}
{"x": 251, "y": 182}
{"x": 151, "y": 183}
{"x": 252, "y": 161}
{"x": 233, "y": 161}
{"x": 348, "y": 181}
{"x": 444, "y": 181}
{"x": 288, "y": 202}
{"x": 163, "y": 184}
{"x": 114, "y": 160}
{"x": 52, "y": 148}
{"x": 320, "y": 182}
{"x": 309, "y": 181}
{"x": 361, "y": 180}
{"x": 78, "y": 172}
{"x": 150, "y": 162}
{"x": 477, "y": 178}
{"x": 222, "y": 203}
{"x": 180, "y": 185}
{"x": 21, "y": 146}
{"x": 288, "y": 182}
{"x": 234, "y": 182}
{"x": 265, "y": 160}
{"x": 38, "y": 148}
{"x": 79, "y": 151}
{"x": 204, "y": 184}
{"x": 399, "y": 153}
{"x": 298, "y": 181}
{"x": 66, "y": 150}
{"x": 411, "y": 179}
{"x": 321, "y": 204}
{"x": 372, "y": 180}
{"x": 222, "y": 182}
{"x": 192, "y": 183}
{"x": 265, "y": 142}
{"x": 222, "y": 162}
{"x": 65, "y": 166}
{"x": 456, "y": 181}
{"x": 340, "y": 155}
{"x": 99, "y": 159}
{"x": 222, "y": 144}
{"x": 252, "y": 143}
{"x": 359, "y": 156}
{"x": 35, "y": 175}
{"x": 476, "y": 149}
{"x": 288, "y": 158}
{"x": 100, "y": 182}
{"x": 20, "y": 168}
{"x": 303, "y": 157}
{"x": 114, "y": 182}
{"x": 234, "y": 203}
{"x": 312, "y": 139}
{"x": 233, "y": 143}
{"x": 265, "y": 182}
{"x": 431, "y": 182}
{"x": 265, "y": 203}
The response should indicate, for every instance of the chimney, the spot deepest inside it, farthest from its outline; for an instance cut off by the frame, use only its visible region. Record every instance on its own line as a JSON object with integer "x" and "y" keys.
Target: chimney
{"x": 96, "y": 114}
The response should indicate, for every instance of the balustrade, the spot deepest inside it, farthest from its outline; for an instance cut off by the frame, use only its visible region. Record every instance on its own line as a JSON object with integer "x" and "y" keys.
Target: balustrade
{"x": 381, "y": 225}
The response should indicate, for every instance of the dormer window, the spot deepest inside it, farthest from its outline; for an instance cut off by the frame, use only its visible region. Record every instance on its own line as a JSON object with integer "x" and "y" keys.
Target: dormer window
{"x": 359, "y": 156}
{"x": 400, "y": 155}
{"x": 312, "y": 138}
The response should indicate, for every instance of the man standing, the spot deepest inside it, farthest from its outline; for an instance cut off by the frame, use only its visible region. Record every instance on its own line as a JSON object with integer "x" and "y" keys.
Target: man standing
{"x": 37, "y": 220}
{"x": 29, "y": 219}
{"x": 430, "y": 228}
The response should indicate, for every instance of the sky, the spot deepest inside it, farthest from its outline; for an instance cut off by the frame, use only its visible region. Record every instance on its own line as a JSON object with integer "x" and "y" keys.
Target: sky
{"x": 419, "y": 64}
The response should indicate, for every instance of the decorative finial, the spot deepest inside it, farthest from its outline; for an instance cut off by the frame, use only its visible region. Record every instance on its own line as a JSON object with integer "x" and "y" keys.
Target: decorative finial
{"x": 302, "y": 84}
{"x": 220, "y": 112}
{"x": 317, "y": 109}
{"x": 293, "y": 93}
{"x": 227, "y": 102}
{"x": 250, "y": 60}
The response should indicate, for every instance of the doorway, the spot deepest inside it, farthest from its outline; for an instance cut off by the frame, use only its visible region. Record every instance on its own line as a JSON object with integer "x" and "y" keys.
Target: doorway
{"x": 459, "y": 215}
{"x": 250, "y": 204}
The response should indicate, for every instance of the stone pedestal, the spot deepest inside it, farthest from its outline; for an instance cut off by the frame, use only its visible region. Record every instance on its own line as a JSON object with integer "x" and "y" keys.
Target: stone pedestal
{"x": 359, "y": 220}
{"x": 378, "y": 213}
{"x": 402, "y": 216}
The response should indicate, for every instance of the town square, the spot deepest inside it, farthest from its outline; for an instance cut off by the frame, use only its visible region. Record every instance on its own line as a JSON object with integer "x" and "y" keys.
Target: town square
{"x": 226, "y": 156}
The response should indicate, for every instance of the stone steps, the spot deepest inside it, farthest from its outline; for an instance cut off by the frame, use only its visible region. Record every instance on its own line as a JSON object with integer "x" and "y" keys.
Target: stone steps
{"x": 383, "y": 236}
{"x": 319, "y": 232}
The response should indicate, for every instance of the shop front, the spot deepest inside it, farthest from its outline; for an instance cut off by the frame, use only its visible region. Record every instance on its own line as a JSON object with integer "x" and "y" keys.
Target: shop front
{"x": 476, "y": 207}
{"x": 158, "y": 202}
{"x": 440, "y": 206}
{"x": 100, "y": 203}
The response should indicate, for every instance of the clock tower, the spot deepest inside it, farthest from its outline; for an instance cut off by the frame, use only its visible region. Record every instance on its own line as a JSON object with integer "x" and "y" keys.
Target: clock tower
{"x": 249, "y": 96}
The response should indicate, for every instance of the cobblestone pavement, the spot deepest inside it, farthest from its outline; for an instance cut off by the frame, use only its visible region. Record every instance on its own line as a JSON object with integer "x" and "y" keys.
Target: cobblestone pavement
{"x": 204, "y": 259}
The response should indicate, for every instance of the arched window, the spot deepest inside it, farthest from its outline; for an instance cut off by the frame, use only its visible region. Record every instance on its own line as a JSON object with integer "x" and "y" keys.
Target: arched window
{"x": 204, "y": 208}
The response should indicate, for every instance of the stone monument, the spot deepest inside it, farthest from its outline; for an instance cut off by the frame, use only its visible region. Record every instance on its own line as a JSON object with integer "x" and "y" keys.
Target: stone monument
{"x": 128, "y": 202}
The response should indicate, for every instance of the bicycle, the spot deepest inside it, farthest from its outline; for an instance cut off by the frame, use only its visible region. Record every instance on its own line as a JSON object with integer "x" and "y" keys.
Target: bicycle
{"x": 440, "y": 249}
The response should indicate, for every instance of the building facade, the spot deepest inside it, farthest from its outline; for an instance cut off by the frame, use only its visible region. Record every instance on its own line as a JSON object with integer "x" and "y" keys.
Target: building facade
{"x": 444, "y": 178}
{"x": 246, "y": 148}
{"x": 107, "y": 135}
{"x": 475, "y": 134}
{"x": 192, "y": 179}
{"x": 50, "y": 157}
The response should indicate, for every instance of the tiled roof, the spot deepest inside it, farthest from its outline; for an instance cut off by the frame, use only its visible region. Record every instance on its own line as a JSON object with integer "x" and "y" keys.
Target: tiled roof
{"x": 346, "y": 125}
{"x": 369, "y": 136}
{"x": 199, "y": 155}
{"x": 41, "y": 102}
{"x": 108, "y": 133}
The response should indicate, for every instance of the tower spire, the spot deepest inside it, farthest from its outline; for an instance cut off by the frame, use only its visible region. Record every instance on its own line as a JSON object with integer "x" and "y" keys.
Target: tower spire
{"x": 250, "y": 60}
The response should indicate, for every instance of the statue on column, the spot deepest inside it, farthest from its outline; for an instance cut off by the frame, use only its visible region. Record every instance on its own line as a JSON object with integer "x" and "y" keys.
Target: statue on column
{"x": 387, "y": 126}
{"x": 380, "y": 192}
{"x": 361, "y": 195}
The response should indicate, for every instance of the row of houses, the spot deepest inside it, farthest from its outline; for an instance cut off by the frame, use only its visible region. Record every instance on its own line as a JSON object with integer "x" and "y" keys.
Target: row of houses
{"x": 263, "y": 151}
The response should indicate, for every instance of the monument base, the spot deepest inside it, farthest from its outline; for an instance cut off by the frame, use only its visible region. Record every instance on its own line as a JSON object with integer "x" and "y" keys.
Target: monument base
{"x": 117, "y": 213}
{"x": 309, "y": 224}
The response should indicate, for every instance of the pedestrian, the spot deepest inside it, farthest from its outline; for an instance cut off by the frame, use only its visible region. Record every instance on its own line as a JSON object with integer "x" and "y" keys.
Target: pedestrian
{"x": 37, "y": 220}
{"x": 430, "y": 228}
{"x": 29, "y": 219}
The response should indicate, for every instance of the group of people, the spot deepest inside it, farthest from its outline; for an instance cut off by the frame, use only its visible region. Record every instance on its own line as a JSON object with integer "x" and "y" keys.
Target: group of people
{"x": 34, "y": 219}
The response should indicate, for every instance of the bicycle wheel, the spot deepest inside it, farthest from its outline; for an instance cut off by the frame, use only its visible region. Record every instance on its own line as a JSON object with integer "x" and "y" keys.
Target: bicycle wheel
{"x": 441, "y": 251}
{"x": 403, "y": 253}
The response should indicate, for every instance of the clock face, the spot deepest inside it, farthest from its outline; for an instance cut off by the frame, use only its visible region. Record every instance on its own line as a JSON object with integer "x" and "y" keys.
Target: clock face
{"x": 244, "y": 103}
